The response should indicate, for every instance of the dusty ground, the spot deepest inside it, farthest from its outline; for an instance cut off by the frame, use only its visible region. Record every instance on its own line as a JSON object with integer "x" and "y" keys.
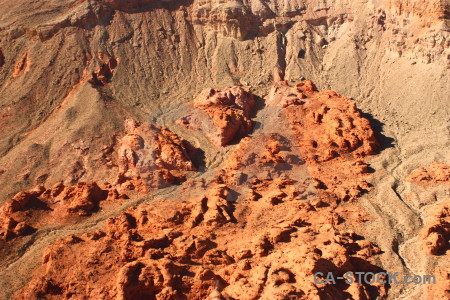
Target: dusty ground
{"x": 72, "y": 72}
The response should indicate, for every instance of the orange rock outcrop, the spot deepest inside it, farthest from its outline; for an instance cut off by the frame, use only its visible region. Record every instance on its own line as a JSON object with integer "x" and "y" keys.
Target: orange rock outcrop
{"x": 440, "y": 290}
{"x": 276, "y": 183}
{"x": 22, "y": 66}
{"x": 151, "y": 156}
{"x": 436, "y": 234}
{"x": 433, "y": 175}
{"x": 30, "y": 210}
{"x": 208, "y": 246}
{"x": 103, "y": 74}
{"x": 229, "y": 112}
{"x": 333, "y": 137}
{"x": 148, "y": 156}
{"x": 256, "y": 228}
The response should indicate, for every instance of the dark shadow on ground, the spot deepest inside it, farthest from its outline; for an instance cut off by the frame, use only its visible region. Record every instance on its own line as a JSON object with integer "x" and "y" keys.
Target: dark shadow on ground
{"x": 385, "y": 141}
{"x": 260, "y": 103}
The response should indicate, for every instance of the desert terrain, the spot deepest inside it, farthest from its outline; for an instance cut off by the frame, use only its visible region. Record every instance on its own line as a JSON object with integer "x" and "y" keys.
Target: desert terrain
{"x": 232, "y": 149}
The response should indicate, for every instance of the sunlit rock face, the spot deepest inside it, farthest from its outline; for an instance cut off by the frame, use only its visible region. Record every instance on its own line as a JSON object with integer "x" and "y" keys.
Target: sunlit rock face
{"x": 222, "y": 149}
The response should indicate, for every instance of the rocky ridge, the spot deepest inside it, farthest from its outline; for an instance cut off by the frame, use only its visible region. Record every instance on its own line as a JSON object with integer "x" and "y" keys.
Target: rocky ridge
{"x": 230, "y": 112}
{"x": 71, "y": 72}
{"x": 201, "y": 236}
{"x": 203, "y": 239}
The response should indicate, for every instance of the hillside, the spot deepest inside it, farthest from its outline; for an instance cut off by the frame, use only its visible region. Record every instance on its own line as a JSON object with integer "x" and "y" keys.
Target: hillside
{"x": 223, "y": 149}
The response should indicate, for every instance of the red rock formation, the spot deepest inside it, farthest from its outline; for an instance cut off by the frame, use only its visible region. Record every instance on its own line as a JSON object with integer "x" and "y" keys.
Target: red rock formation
{"x": 332, "y": 135}
{"x": 104, "y": 73}
{"x": 206, "y": 247}
{"x": 148, "y": 156}
{"x": 441, "y": 289}
{"x": 203, "y": 244}
{"x": 22, "y": 66}
{"x": 151, "y": 156}
{"x": 268, "y": 242}
{"x": 273, "y": 191}
{"x": 328, "y": 125}
{"x": 436, "y": 235}
{"x": 433, "y": 175}
{"x": 229, "y": 111}
{"x": 35, "y": 208}
{"x": 217, "y": 239}
{"x": 272, "y": 151}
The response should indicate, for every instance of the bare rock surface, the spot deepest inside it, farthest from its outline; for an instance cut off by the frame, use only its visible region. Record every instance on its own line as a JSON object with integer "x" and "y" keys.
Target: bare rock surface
{"x": 229, "y": 113}
{"x": 433, "y": 175}
{"x": 152, "y": 156}
{"x": 233, "y": 176}
{"x": 437, "y": 233}
{"x": 217, "y": 241}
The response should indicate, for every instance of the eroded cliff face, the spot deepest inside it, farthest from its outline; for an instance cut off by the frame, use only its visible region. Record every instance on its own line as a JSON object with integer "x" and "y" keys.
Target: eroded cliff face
{"x": 226, "y": 142}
